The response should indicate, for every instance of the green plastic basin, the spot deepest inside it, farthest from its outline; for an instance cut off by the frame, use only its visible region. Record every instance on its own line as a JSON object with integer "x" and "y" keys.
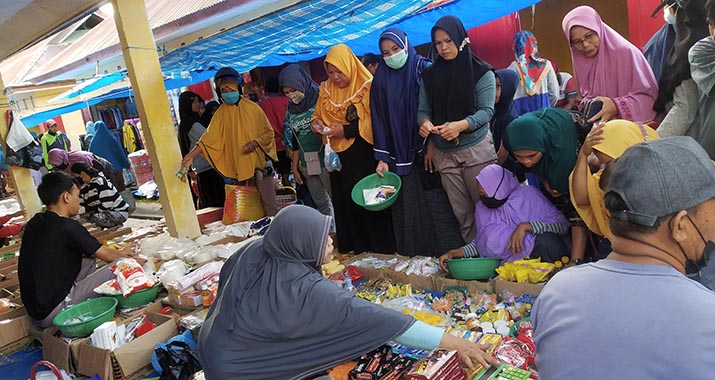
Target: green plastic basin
{"x": 472, "y": 268}
{"x": 81, "y": 319}
{"x": 139, "y": 298}
{"x": 373, "y": 181}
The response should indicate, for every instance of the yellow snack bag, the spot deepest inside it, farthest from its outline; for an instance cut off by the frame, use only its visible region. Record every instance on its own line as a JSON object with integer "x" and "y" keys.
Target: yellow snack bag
{"x": 522, "y": 275}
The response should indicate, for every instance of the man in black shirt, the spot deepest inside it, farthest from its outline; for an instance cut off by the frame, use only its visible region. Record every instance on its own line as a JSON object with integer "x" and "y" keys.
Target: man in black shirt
{"x": 57, "y": 265}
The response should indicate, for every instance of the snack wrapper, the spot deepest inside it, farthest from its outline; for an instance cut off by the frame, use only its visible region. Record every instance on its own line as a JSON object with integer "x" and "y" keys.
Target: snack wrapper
{"x": 378, "y": 194}
{"x": 526, "y": 271}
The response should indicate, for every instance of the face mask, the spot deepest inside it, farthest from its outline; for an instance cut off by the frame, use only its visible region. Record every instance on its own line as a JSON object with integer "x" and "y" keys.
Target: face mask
{"x": 231, "y": 97}
{"x": 295, "y": 97}
{"x": 397, "y": 60}
{"x": 668, "y": 15}
{"x": 701, "y": 268}
{"x": 492, "y": 202}
{"x": 52, "y": 133}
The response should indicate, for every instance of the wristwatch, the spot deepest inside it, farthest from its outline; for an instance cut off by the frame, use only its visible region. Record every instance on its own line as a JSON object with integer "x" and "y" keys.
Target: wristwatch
{"x": 578, "y": 261}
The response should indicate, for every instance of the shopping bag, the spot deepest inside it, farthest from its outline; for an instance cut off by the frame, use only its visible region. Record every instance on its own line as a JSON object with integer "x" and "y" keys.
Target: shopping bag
{"x": 332, "y": 160}
{"x": 243, "y": 203}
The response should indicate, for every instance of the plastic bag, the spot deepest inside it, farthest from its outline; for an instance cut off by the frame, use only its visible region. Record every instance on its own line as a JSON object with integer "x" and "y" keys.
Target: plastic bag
{"x": 131, "y": 276}
{"x": 332, "y": 160}
{"x": 177, "y": 359}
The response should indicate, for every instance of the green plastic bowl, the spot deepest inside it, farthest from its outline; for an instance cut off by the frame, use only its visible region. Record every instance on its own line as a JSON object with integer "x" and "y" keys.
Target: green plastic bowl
{"x": 94, "y": 311}
{"x": 480, "y": 268}
{"x": 139, "y": 298}
{"x": 372, "y": 181}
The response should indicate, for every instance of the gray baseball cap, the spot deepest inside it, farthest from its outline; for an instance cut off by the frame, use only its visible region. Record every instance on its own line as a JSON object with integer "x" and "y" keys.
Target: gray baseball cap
{"x": 661, "y": 177}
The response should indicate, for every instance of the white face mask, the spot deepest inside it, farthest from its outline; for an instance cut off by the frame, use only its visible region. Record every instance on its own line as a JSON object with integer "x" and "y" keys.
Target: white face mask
{"x": 397, "y": 60}
{"x": 295, "y": 97}
{"x": 669, "y": 15}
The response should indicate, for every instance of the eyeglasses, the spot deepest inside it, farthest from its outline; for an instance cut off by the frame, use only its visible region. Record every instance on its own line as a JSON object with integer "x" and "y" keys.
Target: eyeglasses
{"x": 581, "y": 42}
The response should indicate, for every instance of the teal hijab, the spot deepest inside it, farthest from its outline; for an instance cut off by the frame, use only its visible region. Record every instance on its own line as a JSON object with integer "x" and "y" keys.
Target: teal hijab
{"x": 552, "y": 132}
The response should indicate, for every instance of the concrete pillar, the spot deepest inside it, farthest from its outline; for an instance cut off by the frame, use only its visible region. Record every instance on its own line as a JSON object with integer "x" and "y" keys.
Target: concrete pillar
{"x": 142, "y": 62}
{"x": 21, "y": 177}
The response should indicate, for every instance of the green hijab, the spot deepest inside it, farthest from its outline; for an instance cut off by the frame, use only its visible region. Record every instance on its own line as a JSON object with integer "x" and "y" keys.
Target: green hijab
{"x": 552, "y": 132}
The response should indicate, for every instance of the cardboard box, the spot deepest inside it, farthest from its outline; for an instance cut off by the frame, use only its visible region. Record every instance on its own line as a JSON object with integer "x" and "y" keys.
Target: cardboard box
{"x": 421, "y": 282}
{"x": 15, "y": 329}
{"x": 472, "y": 286}
{"x": 369, "y": 272}
{"x": 131, "y": 357}
{"x": 517, "y": 288}
{"x": 61, "y": 353}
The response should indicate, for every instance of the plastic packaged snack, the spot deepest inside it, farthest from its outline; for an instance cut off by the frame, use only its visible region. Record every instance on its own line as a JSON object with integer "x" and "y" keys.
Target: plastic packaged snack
{"x": 131, "y": 276}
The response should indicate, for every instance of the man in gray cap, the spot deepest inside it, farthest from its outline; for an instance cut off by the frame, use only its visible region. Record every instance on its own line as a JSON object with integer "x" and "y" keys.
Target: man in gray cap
{"x": 635, "y": 314}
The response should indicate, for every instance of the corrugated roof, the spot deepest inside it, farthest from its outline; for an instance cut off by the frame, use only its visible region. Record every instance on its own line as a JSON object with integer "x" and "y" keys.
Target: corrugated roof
{"x": 104, "y": 36}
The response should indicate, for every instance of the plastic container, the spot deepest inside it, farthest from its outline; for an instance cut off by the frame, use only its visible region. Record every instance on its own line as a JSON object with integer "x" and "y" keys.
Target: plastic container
{"x": 372, "y": 181}
{"x": 94, "y": 312}
{"x": 138, "y": 298}
{"x": 479, "y": 268}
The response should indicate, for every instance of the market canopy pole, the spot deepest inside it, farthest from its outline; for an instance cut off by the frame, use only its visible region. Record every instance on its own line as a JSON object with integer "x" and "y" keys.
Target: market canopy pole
{"x": 21, "y": 177}
{"x": 145, "y": 75}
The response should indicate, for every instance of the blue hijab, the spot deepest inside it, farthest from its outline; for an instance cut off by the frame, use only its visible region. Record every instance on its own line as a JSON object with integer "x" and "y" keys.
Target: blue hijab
{"x": 105, "y": 145}
{"x": 394, "y": 98}
{"x": 91, "y": 130}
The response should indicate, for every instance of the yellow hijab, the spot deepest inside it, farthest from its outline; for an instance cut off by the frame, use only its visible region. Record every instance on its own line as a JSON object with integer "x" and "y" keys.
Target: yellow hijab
{"x": 333, "y": 102}
{"x": 232, "y": 127}
{"x": 618, "y": 135}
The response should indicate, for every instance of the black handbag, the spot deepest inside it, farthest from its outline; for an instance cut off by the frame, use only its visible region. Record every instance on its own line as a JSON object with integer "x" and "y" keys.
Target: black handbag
{"x": 178, "y": 361}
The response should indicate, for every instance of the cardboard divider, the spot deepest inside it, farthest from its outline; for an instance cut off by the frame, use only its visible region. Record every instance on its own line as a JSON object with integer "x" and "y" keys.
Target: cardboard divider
{"x": 129, "y": 358}
{"x": 472, "y": 286}
{"x": 517, "y": 288}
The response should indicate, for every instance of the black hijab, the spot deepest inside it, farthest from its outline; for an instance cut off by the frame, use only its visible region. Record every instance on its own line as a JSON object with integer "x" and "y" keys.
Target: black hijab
{"x": 187, "y": 119}
{"x": 277, "y": 317}
{"x": 691, "y": 26}
{"x": 210, "y": 110}
{"x": 450, "y": 84}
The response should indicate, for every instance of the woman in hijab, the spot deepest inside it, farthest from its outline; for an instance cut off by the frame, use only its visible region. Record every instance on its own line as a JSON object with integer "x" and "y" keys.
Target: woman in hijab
{"x": 677, "y": 92}
{"x": 275, "y": 316}
{"x": 607, "y": 142}
{"x": 456, "y": 104}
{"x": 609, "y": 68}
{"x": 702, "y": 64}
{"x": 239, "y": 142}
{"x": 105, "y": 145}
{"x": 302, "y": 92}
{"x": 545, "y": 142}
{"x": 210, "y": 183}
{"x": 423, "y": 219}
{"x": 538, "y": 84}
{"x": 513, "y": 221}
{"x": 209, "y": 111}
{"x": 342, "y": 114}
{"x": 507, "y": 81}
{"x": 87, "y": 140}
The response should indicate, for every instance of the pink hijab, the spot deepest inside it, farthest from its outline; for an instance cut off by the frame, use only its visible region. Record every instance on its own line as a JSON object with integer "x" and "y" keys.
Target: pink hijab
{"x": 619, "y": 70}
{"x": 62, "y": 159}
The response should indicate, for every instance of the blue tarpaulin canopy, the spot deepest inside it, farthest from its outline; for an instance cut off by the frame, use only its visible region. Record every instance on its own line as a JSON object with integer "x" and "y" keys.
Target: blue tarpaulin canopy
{"x": 307, "y": 30}
{"x": 90, "y": 85}
{"x": 181, "y": 80}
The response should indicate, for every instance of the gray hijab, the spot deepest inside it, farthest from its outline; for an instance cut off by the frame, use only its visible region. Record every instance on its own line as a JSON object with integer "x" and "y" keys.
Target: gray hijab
{"x": 702, "y": 67}
{"x": 277, "y": 317}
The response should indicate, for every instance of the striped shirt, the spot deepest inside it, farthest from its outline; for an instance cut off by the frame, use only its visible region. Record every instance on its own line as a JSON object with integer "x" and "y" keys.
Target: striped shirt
{"x": 100, "y": 195}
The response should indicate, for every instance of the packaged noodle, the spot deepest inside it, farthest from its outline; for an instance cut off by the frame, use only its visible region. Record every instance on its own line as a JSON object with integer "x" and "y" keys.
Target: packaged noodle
{"x": 131, "y": 276}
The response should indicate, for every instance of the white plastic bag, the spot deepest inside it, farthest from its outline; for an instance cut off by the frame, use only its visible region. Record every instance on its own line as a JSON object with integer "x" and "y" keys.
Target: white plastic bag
{"x": 332, "y": 160}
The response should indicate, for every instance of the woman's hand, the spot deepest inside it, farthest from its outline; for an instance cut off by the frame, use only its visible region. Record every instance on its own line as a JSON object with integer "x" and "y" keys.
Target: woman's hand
{"x": 296, "y": 175}
{"x": 516, "y": 242}
{"x": 187, "y": 161}
{"x": 426, "y": 128}
{"x": 609, "y": 111}
{"x": 429, "y": 154}
{"x": 381, "y": 168}
{"x": 553, "y": 192}
{"x": 502, "y": 154}
{"x": 470, "y": 354}
{"x": 452, "y": 253}
{"x": 317, "y": 126}
{"x": 451, "y": 129}
{"x": 594, "y": 137}
{"x": 250, "y": 146}
{"x": 336, "y": 131}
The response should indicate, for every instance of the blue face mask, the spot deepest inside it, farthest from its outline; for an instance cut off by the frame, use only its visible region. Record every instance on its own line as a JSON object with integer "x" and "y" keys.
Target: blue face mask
{"x": 231, "y": 97}
{"x": 397, "y": 60}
